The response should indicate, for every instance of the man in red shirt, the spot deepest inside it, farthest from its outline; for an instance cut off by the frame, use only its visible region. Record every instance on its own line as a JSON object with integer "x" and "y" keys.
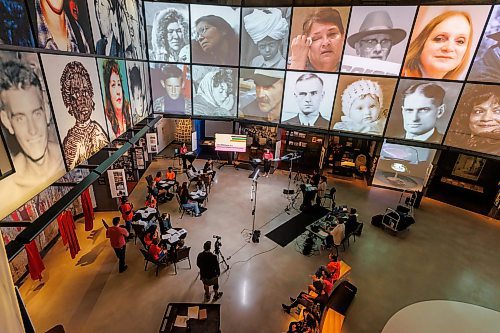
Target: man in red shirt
{"x": 127, "y": 210}
{"x": 116, "y": 235}
{"x": 156, "y": 251}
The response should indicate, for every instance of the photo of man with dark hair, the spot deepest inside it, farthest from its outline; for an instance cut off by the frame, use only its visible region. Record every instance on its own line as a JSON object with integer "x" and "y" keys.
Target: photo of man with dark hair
{"x": 138, "y": 79}
{"x": 105, "y": 28}
{"x": 57, "y": 28}
{"x": 14, "y": 24}
{"x": 30, "y": 135}
{"x": 174, "y": 98}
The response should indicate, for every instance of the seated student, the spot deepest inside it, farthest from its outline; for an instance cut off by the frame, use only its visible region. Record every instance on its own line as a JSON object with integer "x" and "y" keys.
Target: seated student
{"x": 327, "y": 284}
{"x": 352, "y": 222}
{"x": 201, "y": 192}
{"x": 157, "y": 252}
{"x": 315, "y": 178}
{"x": 338, "y": 233}
{"x": 157, "y": 178}
{"x": 185, "y": 200}
{"x": 151, "y": 201}
{"x": 307, "y": 325}
{"x": 208, "y": 168}
{"x": 331, "y": 271}
{"x": 306, "y": 300}
{"x": 192, "y": 173}
{"x": 170, "y": 175}
{"x": 164, "y": 223}
{"x": 150, "y": 235}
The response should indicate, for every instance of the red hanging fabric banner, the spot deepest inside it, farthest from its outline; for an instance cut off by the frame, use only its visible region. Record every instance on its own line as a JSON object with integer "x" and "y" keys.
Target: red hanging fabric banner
{"x": 67, "y": 227}
{"x": 35, "y": 263}
{"x": 88, "y": 210}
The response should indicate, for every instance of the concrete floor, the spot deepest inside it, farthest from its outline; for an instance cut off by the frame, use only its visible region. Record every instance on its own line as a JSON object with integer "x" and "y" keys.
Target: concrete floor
{"x": 448, "y": 254}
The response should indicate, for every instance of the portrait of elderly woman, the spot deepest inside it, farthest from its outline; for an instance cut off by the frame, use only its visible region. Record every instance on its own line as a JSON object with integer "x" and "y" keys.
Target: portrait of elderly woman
{"x": 264, "y": 37}
{"x": 169, "y": 39}
{"x": 215, "y": 93}
{"x": 214, "y": 41}
{"x": 443, "y": 47}
{"x": 318, "y": 44}
{"x": 116, "y": 100}
{"x": 476, "y": 123}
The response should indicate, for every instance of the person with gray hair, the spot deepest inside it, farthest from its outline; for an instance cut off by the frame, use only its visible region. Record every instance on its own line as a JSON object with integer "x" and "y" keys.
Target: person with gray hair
{"x": 106, "y": 12}
{"x": 170, "y": 37}
{"x": 267, "y": 28}
{"x": 25, "y": 116}
{"x": 423, "y": 105}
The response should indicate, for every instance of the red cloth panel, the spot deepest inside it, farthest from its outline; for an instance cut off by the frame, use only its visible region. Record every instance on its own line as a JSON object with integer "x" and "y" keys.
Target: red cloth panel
{"x": 88, "y": 210}
{"x": 35, "y": 263}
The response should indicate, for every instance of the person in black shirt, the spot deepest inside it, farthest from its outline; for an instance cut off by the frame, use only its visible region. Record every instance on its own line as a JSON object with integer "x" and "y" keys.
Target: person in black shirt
{"x": 208, "y": 264}
{"x": 315, "y": 178}
{"x": 306, "y": 300}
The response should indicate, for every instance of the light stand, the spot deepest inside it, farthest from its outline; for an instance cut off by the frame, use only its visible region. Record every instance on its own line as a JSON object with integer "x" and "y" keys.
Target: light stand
{"x": 253, "y": 234}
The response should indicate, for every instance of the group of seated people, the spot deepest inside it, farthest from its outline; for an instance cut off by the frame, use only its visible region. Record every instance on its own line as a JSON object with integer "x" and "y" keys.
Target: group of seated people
{"x": 315, "y": 298}
{"x": 193, "y": 201}
{"x": 156, "y": 247}
{"x": 160, "y": 193}
{"x": 207, "y": 174}
{"x": 346, "y": 226}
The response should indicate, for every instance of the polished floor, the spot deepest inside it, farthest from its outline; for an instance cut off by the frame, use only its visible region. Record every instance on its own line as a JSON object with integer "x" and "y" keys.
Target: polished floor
{"x": 449, "y": 254}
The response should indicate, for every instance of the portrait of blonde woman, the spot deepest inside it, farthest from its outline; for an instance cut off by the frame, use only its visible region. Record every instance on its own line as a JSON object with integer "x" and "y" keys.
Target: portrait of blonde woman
{"x": 443, "y": 42}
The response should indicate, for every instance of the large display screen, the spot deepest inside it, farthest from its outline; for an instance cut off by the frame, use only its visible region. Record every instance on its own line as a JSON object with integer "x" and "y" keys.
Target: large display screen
{"x": 215, "y": 35}
{"x": 261, "y": 91}
{"x": 171, "y": 86}
{"x": 231, "y": 142}
{"x": 115, "y": 96}
{"x": 29, "y": 130}
{"x": 264, "y": 37}
{"x": 403, "y": 167}
{"x": 486, "y": 66}
{"x": 308, "y": 99}
{"x": 214, "y": 91}
{"x": 443, "y": 41}
{"x": 76, "y": 99}
{"x": 377, "y": 39}
{"x": 139, "y": 89}
{"x": 317, "y": 38}
{"x": 476, "y": 122}
{"x": 362, "y": 104}
{"x": 422, "y": 110}
{"x": 168, "y": 31}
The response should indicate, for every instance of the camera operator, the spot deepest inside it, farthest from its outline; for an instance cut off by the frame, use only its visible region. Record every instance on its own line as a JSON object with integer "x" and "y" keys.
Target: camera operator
{"x": 208, "y": 263}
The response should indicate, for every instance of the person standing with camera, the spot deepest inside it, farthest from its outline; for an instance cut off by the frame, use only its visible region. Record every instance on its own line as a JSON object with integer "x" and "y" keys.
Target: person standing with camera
{"x": 208, "y": 263}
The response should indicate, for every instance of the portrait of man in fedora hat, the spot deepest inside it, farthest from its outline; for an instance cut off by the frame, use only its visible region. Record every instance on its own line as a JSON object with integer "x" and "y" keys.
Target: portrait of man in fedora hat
{"x": 262, "y": 89}
{"x": 374, "y": 33}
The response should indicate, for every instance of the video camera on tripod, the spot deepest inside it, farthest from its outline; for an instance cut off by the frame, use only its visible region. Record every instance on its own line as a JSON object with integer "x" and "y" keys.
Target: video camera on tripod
{"x": 218, "y": 244}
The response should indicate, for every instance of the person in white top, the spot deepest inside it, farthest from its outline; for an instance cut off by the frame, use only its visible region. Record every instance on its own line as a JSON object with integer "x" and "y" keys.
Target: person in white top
{"x": 338, "y": 233}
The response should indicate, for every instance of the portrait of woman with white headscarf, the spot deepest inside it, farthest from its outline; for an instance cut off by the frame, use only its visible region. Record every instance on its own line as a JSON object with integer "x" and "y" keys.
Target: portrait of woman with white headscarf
{"x": 215, "y": 93}
{"x": 264, "y": 37}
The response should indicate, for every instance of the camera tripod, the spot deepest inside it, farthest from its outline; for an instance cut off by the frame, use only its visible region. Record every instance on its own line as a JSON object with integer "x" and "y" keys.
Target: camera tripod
{"x": 219, "y": 254}
{"x": 292, "y": 199}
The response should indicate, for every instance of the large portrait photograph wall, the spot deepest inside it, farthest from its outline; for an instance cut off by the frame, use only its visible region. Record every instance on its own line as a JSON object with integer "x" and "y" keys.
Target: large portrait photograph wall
{"x": 426, "y": 73}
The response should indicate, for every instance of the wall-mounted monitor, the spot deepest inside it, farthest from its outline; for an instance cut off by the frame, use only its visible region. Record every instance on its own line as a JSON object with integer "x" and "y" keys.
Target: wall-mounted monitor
{"x": 264, "y": 37}
{"x": 214, "y": 90}
{"x": 403, "y": 167}
{"x": 168, "y": 31}
{"x": 76, "y": 99}
{"x": 377, "y": 39}
{"x": 260, "y": 94}
{"x": 308, "y": 99}
{"x": 362, "y": 104}
{"x": 231, "y": 142}
{"x": 422, "y": 110}
{"x": 29, "y": 130}
{"x": 476, "y": 122}
{"x": 215, "y": 35}
{"x": 443, "y": 41}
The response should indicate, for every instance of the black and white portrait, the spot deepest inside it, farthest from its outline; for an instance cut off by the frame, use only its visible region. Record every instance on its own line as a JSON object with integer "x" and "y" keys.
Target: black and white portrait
{"x": 308, "y": 99}
{"x": 71, "y": 34}
{"x": 214, "y": 91}
{"x": 215, "y": 34}
{"x": 264, "y": 37}
{"x": 76, "y": 98}
{"x": 261, "y": 92}
{"x": 28, "y": 129}
{"x": 6, "y": 166}
{"x": 15, "y": 28}
{"x": 140, "y": 96}
{"x": 168, "y": 31}
{"x": 133, "y": 43}
{"x": 486, "y": 66}
{"x": 422, "y": 110}
{"x": 376, "y": 39}
{"x": 104, "y": 17}
{"x": 171, "y": 85}
{"x": 362, "y": 104}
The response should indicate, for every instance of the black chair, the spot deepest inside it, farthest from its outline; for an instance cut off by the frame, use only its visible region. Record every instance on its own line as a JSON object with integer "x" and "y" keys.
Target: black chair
{"x": 330, "y": 195}
{"x": 138, "y": 232}
{"x": 149, "y": 180}
{"x": 180, "y": 255}
{"x": 148, "y": 258}
{"x": 358, "y": 230}
{"x": 182, "y": 209}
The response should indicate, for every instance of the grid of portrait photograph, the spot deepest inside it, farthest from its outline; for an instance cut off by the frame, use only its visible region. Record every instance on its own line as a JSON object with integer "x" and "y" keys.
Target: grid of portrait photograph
{"x": 426, "y": 73}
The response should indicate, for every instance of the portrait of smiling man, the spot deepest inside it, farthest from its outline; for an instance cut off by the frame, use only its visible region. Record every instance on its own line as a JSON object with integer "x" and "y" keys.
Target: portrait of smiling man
{"x": 24, "y": 115}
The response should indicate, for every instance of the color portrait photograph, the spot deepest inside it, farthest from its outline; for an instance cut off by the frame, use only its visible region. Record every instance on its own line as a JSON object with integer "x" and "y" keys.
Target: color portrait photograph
{"x": 139, "y": 89}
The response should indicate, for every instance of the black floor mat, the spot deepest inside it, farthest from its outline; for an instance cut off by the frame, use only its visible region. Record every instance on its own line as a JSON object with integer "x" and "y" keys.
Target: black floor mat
{"x": 291, "y": 229}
